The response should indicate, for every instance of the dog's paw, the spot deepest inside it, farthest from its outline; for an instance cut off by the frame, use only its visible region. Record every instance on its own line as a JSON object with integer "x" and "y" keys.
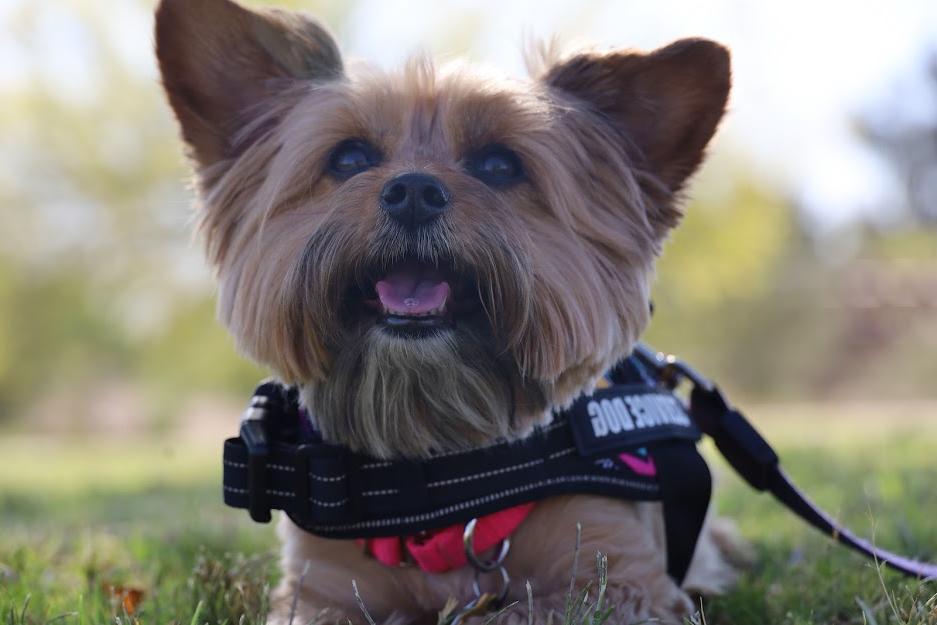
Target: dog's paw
{"x": 720, "y": 555}
{"x": 288, "y": 608}
{"x": 626, "y": 603}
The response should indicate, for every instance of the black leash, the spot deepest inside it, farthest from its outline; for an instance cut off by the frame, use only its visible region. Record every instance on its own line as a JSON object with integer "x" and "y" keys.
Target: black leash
{"x": 755, "y": 460}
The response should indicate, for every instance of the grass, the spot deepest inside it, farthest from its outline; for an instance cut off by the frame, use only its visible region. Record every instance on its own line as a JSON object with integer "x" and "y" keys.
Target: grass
{"x": 85, "y": 528}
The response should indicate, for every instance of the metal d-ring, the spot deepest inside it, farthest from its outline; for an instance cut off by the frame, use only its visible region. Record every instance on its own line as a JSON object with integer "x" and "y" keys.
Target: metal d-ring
{"x": 472, "y": 607}
{"x": 485, "y": 566}
{"x": 505, "y": 585}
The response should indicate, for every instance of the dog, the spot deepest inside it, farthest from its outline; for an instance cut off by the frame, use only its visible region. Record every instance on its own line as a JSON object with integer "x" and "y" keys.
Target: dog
{"x": 439, "y": 259}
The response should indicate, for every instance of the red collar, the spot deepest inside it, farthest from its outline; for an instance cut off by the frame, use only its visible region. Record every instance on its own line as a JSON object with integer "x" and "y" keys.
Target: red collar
{"x": 441, "y": 550}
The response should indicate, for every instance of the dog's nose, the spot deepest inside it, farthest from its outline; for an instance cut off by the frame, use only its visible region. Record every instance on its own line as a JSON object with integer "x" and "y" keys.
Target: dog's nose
{"x": 414, "y": 200}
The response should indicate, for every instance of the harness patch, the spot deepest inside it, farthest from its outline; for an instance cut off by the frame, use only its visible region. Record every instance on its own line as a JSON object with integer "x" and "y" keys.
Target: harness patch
{"x": 621, "y": 417}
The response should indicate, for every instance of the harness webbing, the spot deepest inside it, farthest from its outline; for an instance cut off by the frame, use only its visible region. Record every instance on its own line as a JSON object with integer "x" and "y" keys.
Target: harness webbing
{"x": 332, "y": 492}
{"x": 634, "y": 441}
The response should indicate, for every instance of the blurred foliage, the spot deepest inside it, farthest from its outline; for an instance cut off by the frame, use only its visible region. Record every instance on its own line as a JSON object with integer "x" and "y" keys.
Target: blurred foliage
{"x": 101, "y": 285}
{"x": 98, "y": 277}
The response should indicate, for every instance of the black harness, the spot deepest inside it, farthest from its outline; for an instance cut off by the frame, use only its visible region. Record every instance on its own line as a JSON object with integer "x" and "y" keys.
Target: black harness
{"x": 633, "y": 440}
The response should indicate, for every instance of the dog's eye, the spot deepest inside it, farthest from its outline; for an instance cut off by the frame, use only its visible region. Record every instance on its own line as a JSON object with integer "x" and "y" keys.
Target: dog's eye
{"x": 496, "y": 165}
{"x": 352, "y": 157}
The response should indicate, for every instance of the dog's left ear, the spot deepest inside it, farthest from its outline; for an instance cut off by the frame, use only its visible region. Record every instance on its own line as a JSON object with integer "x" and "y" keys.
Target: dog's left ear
{"x": 667, "y": 103}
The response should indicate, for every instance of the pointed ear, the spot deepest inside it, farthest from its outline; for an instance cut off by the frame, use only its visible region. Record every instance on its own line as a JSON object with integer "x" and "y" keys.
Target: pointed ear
{"x": 667, "y": 103}
{"x": 220, "y": 62}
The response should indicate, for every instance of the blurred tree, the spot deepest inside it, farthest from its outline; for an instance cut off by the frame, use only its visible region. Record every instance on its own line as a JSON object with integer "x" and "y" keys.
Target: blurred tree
{"x": 734, "y": 282}
{"x": 96, "y": 263}
{"x": 98, "y": 277}
{"x": 904, "y": 133}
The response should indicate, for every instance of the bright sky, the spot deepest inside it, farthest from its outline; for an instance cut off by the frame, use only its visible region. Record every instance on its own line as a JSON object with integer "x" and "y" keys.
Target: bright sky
{"x": 802, "y": 69}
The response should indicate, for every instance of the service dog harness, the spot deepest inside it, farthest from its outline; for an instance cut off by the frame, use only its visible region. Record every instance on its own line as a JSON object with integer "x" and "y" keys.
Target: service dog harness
{"x": 632, "y": 439}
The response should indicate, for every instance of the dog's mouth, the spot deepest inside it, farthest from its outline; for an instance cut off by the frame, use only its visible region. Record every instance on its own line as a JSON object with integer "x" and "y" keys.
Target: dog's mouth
{"x": 416, "y": 298}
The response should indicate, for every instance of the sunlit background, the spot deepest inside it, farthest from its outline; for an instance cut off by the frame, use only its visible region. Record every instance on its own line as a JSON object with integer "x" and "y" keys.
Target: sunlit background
{"x": 804, "y": 278}
{"x": 805, "y": 271}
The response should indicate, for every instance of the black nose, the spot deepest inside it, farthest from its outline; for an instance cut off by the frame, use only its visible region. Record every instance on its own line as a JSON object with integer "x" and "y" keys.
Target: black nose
{"x": 414, "y": 200}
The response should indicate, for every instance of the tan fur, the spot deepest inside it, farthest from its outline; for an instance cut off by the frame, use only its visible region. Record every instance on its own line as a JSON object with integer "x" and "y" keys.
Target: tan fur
{"x": 631, "y": 535}
{"x": 562, "y": 262}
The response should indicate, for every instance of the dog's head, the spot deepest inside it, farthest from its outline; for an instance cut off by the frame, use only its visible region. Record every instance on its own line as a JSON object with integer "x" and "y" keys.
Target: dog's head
{"x": 437, "y": 257}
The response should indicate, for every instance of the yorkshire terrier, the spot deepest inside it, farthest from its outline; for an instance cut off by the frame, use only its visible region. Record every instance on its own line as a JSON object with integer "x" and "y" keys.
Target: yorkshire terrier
{"x": 439, "y": 259}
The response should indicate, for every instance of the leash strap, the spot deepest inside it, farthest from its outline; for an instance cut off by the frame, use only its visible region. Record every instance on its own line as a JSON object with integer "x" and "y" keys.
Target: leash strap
{"x": 753, "y": 458}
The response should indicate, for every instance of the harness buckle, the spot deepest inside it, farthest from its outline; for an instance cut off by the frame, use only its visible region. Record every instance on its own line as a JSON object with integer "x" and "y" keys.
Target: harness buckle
{"x": 254, "y": 434}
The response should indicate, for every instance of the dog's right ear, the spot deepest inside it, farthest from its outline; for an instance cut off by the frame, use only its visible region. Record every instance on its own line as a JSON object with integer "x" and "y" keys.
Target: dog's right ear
{"x": 220, "y": 62}
{"x": 667, "y": 102}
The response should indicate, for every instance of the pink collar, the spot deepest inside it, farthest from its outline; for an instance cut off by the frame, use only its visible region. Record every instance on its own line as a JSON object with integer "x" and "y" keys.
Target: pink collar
{"x": 441, "y": 550}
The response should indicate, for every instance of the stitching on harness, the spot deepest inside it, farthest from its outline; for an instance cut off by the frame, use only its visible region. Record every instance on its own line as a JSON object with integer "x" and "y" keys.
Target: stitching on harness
{"x": 466, "y": 478}
{"x": 286, "y": 493}
{"x": 543, "y": 430}
{"x": 280, "y": 467}
{"x": 322, "y": 478}
{"x": 375, "y": 465}
{"x": 559, "y": 454}
{"x": 275, "y": 467}
{"x": 244, "y": 491}
{"x": 329, "y": 504}
{"x": 486, "y": 499}
{"x": 377, "y": 493}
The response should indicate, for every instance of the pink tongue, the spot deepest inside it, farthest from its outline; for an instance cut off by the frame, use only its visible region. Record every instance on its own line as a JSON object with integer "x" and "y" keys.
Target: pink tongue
{"x": 411, "y": 291}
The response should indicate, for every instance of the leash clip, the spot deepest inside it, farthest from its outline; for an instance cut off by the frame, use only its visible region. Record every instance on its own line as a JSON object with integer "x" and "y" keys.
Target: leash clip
{"x": 485, "y": 566}
{"x": 671, "y": 369}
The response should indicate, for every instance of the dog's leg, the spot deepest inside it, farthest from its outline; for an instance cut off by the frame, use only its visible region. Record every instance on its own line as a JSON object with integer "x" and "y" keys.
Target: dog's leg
{"x": 720, "y": 553}
{"x": 628, "y": 604}
{"x": 281, "y": 612}
{"x": 629, "y": 534}
{"x": 317, "y": 584}
{"x": 295, "y": 602}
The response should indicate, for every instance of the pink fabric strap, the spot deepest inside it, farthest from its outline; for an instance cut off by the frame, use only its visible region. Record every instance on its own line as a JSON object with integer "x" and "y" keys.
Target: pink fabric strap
{"x": 441, "y": 550}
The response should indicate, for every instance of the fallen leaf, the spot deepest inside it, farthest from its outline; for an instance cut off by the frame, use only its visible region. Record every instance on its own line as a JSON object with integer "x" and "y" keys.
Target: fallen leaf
{"x": 128, "y": 597}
